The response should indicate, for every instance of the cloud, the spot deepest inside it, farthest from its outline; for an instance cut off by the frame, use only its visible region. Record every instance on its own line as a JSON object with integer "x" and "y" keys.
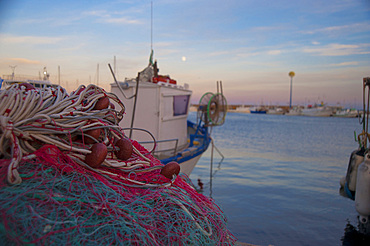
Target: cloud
{"x": 274, "y": 52}
{"x": 99, "y": 13}
{"x": 25, "y": 61}
{"x": 339, "y": 50}
{"x": 121, "y": 20}
{"x": 352, "y": 28}
{"x": 343, "y": 64}
{"x": 106, "y": 17}
{"x": 29, "y": 39}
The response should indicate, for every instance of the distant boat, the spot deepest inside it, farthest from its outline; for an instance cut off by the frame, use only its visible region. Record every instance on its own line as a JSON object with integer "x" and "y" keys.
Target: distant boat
{"x": 317, "y": 110}
{"x": 347, "y": 113}
{"x": 294, "y": 112}
{"x": 242, "y": 109}
{"x": 6, "y": 83}
{"x": 278, "y": 111}
{"x": 258, "y": 110}
{"x": 9, "y": 80}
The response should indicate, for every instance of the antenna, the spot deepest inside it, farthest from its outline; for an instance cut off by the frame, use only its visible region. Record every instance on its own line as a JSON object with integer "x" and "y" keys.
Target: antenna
{"x": 151, "y": 26}
{"x": 115, "y": 72}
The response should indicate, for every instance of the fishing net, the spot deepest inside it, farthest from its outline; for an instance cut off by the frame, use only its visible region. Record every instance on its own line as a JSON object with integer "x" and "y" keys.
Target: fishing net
{"x": 50, "y": 195}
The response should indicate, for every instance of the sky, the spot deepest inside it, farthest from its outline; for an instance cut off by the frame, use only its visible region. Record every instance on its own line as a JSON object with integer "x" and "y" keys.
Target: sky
{"x": 249, "y": 45}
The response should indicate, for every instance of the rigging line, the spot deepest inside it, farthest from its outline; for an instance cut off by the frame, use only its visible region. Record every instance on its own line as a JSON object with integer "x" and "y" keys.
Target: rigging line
{"x": 367, "y": 116}
{"x": 118, "y": 85}
{"x": 134, "y": 107}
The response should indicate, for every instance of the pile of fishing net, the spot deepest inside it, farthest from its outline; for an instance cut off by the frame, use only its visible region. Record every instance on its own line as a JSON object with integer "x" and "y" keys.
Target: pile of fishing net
{"x": 58, "y": 187}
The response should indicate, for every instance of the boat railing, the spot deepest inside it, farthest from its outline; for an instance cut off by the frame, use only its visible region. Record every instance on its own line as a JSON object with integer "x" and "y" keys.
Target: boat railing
{"x": 174, "y": 150}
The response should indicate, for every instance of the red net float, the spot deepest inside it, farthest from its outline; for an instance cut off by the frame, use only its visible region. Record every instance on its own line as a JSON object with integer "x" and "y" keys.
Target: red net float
{"x": 102, "y": 103}
{"x": 125, "y": 149}
{"x": 95, "y": 133}
{"x": 97, "y": 156}
{"x": 170, "y": 169}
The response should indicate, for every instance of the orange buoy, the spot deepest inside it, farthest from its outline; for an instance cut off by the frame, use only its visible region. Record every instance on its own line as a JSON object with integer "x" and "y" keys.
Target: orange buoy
{"x": 98, "y": 154}
{"x": 102, "y": 103}
{"x": 170, "y": 169}
{"x": 125, "y": 149}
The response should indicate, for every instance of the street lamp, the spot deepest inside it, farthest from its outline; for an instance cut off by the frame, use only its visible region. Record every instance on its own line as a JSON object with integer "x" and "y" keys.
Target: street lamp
{"x": 291, "y": 75}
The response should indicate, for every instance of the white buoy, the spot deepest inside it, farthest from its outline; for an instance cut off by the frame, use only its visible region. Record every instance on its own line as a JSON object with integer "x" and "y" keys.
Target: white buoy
{"x": 355, "y": 160}
{"x": 362, "y": 197}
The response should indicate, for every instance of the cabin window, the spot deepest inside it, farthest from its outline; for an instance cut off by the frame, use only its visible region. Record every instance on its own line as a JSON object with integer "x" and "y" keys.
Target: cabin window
{"x": 180, "y": 105}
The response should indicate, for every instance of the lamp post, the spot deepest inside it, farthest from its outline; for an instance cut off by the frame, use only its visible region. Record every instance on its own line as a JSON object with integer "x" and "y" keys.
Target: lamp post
{"x": 291, "y": 75}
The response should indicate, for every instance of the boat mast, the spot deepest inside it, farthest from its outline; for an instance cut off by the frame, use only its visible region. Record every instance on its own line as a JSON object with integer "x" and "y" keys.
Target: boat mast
{"x": 291, "y": 75}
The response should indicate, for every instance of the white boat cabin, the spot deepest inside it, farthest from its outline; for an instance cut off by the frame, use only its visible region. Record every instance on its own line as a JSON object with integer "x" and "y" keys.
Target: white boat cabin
{"x": 161, "y": 108}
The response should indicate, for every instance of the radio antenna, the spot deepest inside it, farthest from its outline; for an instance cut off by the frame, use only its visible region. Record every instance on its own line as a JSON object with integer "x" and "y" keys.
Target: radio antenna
{"x": 151, "y": 26}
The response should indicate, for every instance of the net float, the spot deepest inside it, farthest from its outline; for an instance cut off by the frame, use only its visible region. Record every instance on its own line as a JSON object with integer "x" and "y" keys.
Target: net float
{"x": 28, "y": 86}
{"x": 95, "y": 133}
{"x": 125, "y": 149}
{"x": 97, "y": 156}
{"x": 102, "y": 103}
{"x": 170, "y": 169}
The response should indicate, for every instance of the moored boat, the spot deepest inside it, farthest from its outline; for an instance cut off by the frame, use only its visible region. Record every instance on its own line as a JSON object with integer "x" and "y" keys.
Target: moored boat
{"x": 242, "y": 109}
{"x": 355, "y": 185}
{"x": 258, "y": 110}
{"x": 161, "y": 123}
{"x": 277, "y": 111}
{"x": 347, "y": 113}
{"x": 9, "y": 80}
{"x": 317, "y": 110}
{"x": 6, "y": 83}
{"x": 296, "y": 111}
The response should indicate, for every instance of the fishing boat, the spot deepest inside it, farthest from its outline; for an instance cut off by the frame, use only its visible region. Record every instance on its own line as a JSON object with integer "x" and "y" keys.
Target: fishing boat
{"x": 347, "y": 113}
{"x": 5, "y": 83}
{"x": 258, "y": 110}
{"x": 318, "y": 110}
{"x": 355, "y": 185}
{"x": 157, "y": 112}
{"x": 9, "y": 80}
{"x": 276, "y": 111}
{"x": 242, "y": 109}
{"x": 295, "y": 111}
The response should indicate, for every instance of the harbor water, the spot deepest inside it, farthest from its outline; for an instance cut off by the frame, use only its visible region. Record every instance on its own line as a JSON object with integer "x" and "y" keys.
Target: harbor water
{"x": 279, "y": 181}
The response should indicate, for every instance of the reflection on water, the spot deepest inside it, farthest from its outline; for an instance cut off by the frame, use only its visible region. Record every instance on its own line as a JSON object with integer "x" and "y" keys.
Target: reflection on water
{"x": 279, "y": 181}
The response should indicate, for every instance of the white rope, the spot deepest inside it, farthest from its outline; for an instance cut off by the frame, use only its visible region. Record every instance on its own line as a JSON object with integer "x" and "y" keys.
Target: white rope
{"x": 32, "y": 118}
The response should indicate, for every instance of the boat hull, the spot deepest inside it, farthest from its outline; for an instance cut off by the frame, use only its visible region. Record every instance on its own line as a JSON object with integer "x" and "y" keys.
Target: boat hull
{"x": 188, "y": 166}
{"x": 317, "y": 112}
{"x": 199, "y": 140}
{"x": 258, "y": 112}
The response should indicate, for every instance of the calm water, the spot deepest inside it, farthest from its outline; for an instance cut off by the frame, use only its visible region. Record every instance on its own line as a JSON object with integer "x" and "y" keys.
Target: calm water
{"x": 279, "y": 181}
